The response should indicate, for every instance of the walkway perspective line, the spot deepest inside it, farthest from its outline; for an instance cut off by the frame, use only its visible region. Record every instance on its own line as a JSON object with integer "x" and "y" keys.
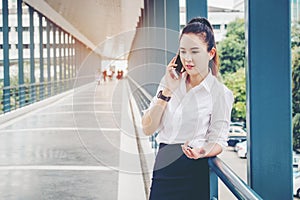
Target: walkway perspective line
{"x": 56, "y": 167}
{"x": 131, "y": 184}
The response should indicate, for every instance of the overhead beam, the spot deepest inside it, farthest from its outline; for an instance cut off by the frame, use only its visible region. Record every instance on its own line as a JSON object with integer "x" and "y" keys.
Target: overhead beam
{"x": 49, "y": 12}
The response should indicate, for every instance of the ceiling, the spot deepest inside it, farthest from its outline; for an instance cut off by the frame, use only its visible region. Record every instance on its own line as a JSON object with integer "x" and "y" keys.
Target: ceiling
{"x": 106, "y": 26}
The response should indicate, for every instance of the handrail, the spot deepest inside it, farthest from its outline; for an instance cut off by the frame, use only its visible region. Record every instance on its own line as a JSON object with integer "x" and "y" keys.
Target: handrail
{"x": 28, "y": 93}
{"x": 236, "y": 185}
{"x": 36, "y": 84}
{"x": 143, "y": 103}
{"x": 147, "y": 95}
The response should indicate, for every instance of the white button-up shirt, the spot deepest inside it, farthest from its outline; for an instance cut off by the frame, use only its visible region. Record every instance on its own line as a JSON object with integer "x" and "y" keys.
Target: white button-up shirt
{"x": 200, "y": 115}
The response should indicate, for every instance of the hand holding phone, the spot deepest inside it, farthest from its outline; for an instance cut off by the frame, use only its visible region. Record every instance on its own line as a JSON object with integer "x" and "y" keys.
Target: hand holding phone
{"x": 178, "y": 69}
{"x": 172, "y": 77}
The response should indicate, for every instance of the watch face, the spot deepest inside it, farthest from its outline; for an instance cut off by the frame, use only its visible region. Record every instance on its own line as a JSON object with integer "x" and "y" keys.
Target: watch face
{"x": 159, "y": 94}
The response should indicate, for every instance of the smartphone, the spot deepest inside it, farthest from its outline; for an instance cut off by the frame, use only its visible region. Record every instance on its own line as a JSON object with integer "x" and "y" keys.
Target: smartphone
{"x": 178, "y": 68}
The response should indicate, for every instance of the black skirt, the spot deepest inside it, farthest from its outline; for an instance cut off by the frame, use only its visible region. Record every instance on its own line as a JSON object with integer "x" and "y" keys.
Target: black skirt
{"x": 177, "y": 177}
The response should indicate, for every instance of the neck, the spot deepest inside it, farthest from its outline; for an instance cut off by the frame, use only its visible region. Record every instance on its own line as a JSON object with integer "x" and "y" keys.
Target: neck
{"x": 195, "y": 80}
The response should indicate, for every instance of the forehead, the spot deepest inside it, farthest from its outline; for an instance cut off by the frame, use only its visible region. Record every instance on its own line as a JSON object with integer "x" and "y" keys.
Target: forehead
{"x": 191, "y": 40}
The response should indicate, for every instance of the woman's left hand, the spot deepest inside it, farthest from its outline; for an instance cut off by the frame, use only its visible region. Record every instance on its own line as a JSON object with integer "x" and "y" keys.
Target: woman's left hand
{"x": 193, "y": 153}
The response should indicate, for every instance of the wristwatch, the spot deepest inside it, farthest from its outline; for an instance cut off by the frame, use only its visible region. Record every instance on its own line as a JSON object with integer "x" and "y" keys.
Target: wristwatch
{"x": 161, "y": 96}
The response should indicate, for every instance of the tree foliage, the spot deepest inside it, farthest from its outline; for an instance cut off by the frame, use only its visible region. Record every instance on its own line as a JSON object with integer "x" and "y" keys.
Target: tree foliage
{"x": 232, "y": 48}
{"x": 236, "y": 83}
{"x": 296, "y": 80}
{"x": 295, "y": 43}
{"x": 232, "y": 56}
{"x": 295, "y": 35}
{"x": 296, "y": 131}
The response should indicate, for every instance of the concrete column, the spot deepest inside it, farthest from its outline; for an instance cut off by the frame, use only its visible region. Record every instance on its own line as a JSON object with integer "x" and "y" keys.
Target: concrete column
{"x": 172, "y": 25}
{"x": 196, "y": 8}
{"x": 160, "y": 36}
{"x": 269, "y": 98}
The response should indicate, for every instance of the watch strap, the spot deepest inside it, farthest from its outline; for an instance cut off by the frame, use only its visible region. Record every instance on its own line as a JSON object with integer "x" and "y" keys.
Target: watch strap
{"x": 163, "y": 97}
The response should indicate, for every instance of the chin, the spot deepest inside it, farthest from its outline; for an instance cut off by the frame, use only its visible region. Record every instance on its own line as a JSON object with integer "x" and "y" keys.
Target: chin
{"x": 192, "y": 72}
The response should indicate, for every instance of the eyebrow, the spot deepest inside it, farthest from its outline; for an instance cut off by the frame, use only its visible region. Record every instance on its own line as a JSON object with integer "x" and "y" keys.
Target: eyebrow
{"x": 191, "y": 48}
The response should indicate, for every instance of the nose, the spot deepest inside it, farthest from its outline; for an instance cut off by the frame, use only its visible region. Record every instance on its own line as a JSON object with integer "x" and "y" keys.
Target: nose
{"x": 188, "y": 57}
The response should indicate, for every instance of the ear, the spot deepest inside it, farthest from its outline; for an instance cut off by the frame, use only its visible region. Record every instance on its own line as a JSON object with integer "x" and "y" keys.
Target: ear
{"x": 212, "y": 53}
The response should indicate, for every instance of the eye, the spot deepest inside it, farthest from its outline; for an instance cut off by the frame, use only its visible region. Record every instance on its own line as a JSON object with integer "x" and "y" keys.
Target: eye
{"x": 195, "y": 52}
{"x": 182, "y": 52}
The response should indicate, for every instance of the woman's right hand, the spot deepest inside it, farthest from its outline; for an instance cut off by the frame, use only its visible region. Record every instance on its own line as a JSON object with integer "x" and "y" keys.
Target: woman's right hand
{"x": 172, "y": 83}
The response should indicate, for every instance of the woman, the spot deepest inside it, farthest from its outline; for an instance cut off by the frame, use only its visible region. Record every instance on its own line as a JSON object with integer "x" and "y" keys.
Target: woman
{"x": 191, "y": 114}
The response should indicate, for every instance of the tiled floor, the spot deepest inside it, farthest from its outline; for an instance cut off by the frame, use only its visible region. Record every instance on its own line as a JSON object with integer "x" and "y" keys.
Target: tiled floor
{"x": 66, "y": 150}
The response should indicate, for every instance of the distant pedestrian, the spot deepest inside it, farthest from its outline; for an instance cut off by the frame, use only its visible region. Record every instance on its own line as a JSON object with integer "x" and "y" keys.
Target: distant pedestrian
{"x": 104, "y": 73}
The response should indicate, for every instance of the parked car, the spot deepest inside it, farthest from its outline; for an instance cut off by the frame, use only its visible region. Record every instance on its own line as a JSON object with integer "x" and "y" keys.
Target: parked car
{"x": 236, "y": 134}
{"x": 241, "y": 149}
{"x": 233, "y": 140}
{"x": 296, "y": 159}
{"x": 296, "y": 179}
{"x": 237, "y": 131}
{"x": 241, "y": 124}
{"x": 237, "y": 146}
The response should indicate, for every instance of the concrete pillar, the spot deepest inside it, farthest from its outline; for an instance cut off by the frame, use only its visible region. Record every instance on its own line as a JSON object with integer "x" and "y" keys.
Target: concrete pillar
{"x": 196, "y": 8}
{"x": 172, "y": 27}
{"x": 269, "y": 98}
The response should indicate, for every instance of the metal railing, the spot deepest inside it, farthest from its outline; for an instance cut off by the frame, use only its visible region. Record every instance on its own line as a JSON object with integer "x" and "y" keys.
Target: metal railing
{"x": 236, "y": 185}
{"x": 143, "y": 100}
{"x": 15, "y": 97}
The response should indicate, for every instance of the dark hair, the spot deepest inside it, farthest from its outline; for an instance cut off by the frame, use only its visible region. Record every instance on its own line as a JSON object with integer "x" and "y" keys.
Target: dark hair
{"x": 201, "y": 26}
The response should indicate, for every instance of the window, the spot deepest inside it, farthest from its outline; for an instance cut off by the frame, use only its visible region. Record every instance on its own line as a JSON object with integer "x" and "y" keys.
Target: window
{"x": 216, "y": 26}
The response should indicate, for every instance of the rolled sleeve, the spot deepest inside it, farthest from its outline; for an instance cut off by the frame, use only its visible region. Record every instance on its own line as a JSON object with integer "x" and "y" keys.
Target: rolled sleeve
{"x": 220, "y": 119}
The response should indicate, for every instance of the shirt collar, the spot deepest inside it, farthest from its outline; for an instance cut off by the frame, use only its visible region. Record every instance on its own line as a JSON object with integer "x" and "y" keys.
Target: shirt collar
{"x": 208, "y": 81}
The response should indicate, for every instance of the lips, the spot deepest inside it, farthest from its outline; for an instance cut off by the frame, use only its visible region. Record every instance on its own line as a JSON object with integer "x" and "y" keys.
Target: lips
{"x": 189, "y": 66}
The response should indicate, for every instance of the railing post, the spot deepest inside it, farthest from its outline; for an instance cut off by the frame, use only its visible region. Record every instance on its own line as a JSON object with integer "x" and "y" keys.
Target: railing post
{"x": 54, "y": 59}
{"x": 65, "y": 61}
{"x": 20, "y": 55}
{"x": 41, "y": 84}
{"x": 32, "y": 64}
{"x": 48, "y": 59}
{"x": 69, "y": 61}
{"x": 213, "y": 178}
{"x": 60, "y": 60}
{"x": 6, "y": 90}
{"x": 236, "y": 185}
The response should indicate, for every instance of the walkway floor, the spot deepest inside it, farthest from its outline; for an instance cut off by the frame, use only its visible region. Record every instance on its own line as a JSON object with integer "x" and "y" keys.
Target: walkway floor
{"x": 69, "y": 149}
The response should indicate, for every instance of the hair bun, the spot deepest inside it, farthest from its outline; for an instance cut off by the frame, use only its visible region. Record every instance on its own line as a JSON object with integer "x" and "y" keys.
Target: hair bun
{"x": 201, "y": 20}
